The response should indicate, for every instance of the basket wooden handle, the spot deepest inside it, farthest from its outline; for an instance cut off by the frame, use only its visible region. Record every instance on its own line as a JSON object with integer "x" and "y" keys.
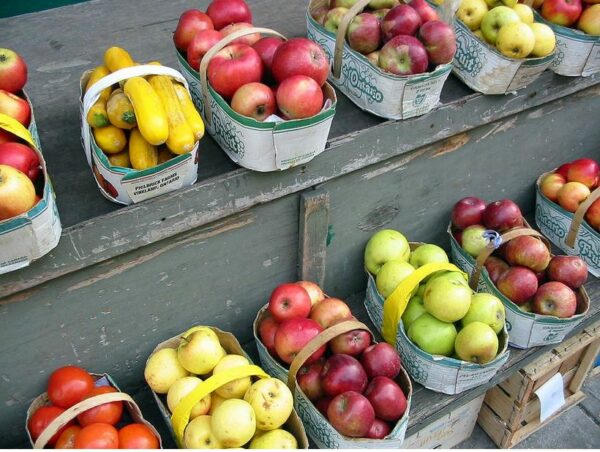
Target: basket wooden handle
{"x": 340, "y": 38}
{"x": 578, "y": 217}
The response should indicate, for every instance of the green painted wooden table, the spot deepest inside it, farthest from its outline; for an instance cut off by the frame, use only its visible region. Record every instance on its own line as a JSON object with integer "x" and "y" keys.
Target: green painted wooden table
{"x": 124, "y": 278}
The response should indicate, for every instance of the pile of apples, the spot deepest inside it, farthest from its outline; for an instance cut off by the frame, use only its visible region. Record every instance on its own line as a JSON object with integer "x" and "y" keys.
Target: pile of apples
{"x": 440, "y": 303}
{"x": 571, "y": 184}
{"x": 350, "y": 380}
{"x": 20, "y": 171}
{"x": 522, "y": 269}
{"x": 508, "y": 26}
{"x": 101, "y": 427}
{"x": 238, "y": 414}
{"x": 403, "y": 39}
{"x": 583, "y": 14}
{"x": 258, "y": 76}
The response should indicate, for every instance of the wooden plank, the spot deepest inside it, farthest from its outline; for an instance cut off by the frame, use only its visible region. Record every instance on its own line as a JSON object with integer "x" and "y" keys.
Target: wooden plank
{"x": 312, "y": 242}
{"x": 493, "y": 426}
{"x": 588, "y": 360}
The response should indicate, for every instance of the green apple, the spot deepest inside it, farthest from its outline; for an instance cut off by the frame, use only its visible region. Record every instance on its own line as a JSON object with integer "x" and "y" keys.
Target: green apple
{"x": 545, "y": 39}
{"x": 432, "y": 335}
{"x": 420, "y": 290}
{"x": 334, "y": 18}
{"x": 491, "y": 24}
{"x": 510, "y": 3}
{"x": 493, "y": 3}
{"x": 525, "y": 12}
{"x": 383, "y": 4}
{"x": 487, "y": 309}
{"x": 473, "y": 241}
{"x": 477, "y": 343}
{"x": 391, "y": 275}
{"x": 414, "y": 310}
{"x": 447, "y": 298}
{"x": 515, "y": 40}
{"x": 471, "y": 12}
{"x": 342, "y": 3}
{"x": 385, "y": 245}
{"x": 479, "y": 34}
{"x": 427, "y": 254}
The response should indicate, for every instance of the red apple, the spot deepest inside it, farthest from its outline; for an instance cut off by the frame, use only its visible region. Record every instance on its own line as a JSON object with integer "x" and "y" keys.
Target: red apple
{"x": 309, "y": 380}
{"x": 467, "y": 212}
{"x": 13, "y": 71}
{"x": 592, "y": 216}
{"x": 248, "y": 39}
{"x": 529, "y": 252}
{"x": 21, "y": 157}
{"x": 585, "y": 171}
{"x": 439, "y": 40}
{"x": 323, "y": 404}
{"x": 314, "y": 291}
{"x": 518, "y": 284}
{"x": 233, "y": 67}
{"x": 254, "y": 100}
{"x": 541, "y": 277}
{"x": 329, "y": 312}
{"x": 458, "y": 236}
{"x": 563, "y": 170}
{"x": 334, "y": 18}
{"x": 551, "y": 184}
{"x": 319, "y": 14}
{"x": 266, "y": 48}
{"x": 202, "y": 43}
{"x": 502, "y": 215}
{"x": 387, "y": 398}
{"x": 381, "y": 360}
{"x": 400, "y": 20}
{"x": 569, "y": 270}
{"x": 343, "y": 373}
{"x": 351, "y": 414}
{"x": 6, "y": 137}
{"x": 300, "y": 56}
{"x": 17, "y": 193}
{"x": 225, "y": 12}
{"x": 267, "y": 329}
{"x": 288, "y": 301}
{"x": 15, "y": 107}
{"x": 562, "y": 12}
{"x": 352, "y": 343}
{"x": 291, "y": 337}
{"x": 379, "y": 429}
{"x": 299, "y": 96}
{"x": 364, "y": 33}
{"x": 425, "y": 12}
{"x": 190, "y": 23}
{"x": 403, "y": 55}
{"x": 555, "y": 298}
{"x": 495, "y": 267}
{"x": 572, "y": 194}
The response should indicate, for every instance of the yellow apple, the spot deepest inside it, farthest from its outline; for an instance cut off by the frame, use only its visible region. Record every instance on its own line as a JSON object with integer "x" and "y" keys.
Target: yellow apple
{"x": 233, "y": 423}
{"x": 199, "y": 350}
{"x": 272, "y": 402}
{"x": 198, "y": 434}
{"x": 495, "y": 19}
{"x": 515, "y": 40}
{"x": 525, "y": 12}
{"x": 589, "y": 21}
{"x": 236, "y": 388}
{"x": 545, "y": 40}
{"x": 479, "y": 34}
{"x": 275, "y": 439}
{"x": 509, "y": 3}
{"x": 493, "y": 3}
{"x": 471, "y": 12}
{"x": 163, "y": 369}
{"x": 182, "y": 388}
{"x": 215, "y": 401}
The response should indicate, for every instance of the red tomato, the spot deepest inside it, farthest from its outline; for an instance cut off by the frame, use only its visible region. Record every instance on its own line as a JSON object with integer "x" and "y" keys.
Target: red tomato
{"x": 41, "y": 418}
{"x": 108, "y": 413}
{"x": 67, "y": 438}
{"x": 97, "y": 436}
{"x": 137, "y": 436}
{"x": 68, "y": 385}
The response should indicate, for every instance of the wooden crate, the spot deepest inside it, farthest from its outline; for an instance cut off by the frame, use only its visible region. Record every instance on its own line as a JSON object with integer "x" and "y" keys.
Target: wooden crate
{"x": 511, "y": 410}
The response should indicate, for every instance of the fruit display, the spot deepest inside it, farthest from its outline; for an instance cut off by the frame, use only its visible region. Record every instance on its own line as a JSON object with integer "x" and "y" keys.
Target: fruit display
{"x": 580, "y": 14}
{"x": 206, "y": 387}
{"x": 94, "y": 415}
{"x": 354, "y": 383}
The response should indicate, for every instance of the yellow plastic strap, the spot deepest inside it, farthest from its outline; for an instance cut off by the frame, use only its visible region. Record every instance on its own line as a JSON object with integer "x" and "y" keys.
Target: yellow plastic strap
{"x": 16, "y": 128}
{"x": 181, "y": 415}
{"x": 395, "y": 304}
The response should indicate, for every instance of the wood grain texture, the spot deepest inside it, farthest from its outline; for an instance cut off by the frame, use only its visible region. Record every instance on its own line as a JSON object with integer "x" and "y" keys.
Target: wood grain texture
{"x": 312, "y": 240}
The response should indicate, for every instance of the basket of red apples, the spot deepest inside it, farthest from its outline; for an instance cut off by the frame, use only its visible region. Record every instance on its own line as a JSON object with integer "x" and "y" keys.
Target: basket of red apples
{"x": 567, "y": 209}
{"x": 543, "y": 294}
{"x": 349, "y": 391}
{"x": 264, "y": 99}
{"x": 576, "y": 24}
{"x": 391, "y": 59}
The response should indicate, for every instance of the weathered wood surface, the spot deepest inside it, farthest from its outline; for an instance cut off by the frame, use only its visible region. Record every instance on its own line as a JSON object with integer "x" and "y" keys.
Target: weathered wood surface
{"x": 99, "y": 230}
{"x": 313, "y": 235}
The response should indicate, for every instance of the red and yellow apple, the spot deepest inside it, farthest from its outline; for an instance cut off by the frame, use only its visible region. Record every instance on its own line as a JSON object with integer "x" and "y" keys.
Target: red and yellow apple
{"x": 13, "y": 71}
{"x": 17, "y": 193}
{"x": 15, "y": 107}
{"x": 190, "y": 23}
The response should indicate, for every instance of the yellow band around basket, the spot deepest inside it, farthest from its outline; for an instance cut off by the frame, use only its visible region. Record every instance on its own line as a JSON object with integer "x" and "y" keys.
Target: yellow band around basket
{"x": 16, "y": 128}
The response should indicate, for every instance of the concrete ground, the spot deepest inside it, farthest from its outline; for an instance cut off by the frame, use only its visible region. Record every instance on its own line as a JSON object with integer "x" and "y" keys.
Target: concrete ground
{"x": 577, "y": 428}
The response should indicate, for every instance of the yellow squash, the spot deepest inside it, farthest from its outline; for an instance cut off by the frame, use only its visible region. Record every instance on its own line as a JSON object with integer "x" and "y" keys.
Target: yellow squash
{"x": 110, "y": 139}
{"x": 98, "y": 73}
{"x": 116, "y": 58}
{"x": 149, "y": 111}
{"x": 121, "y": 159}
{"x": 120, "y": 111}
{"x": 189, "y": 110}
{"x": 181, "y": 137}
{"x": 164, "y": 155}
{"x": 142, "y": 154}
{"x": 97, "y": 115}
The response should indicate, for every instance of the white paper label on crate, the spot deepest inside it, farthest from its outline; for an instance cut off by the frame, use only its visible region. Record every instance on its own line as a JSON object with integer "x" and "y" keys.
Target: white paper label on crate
{"x": 552, "y": 396}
